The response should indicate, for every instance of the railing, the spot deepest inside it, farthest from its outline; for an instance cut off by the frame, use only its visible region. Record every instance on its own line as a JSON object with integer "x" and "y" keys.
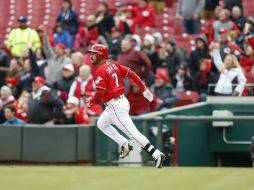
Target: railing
{"x": 176, "y": 119}
{"x": 212, "y": 85}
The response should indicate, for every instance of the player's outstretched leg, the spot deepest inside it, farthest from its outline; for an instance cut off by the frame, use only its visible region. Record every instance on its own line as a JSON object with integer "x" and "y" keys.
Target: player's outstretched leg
{"x": 156, "y": 154}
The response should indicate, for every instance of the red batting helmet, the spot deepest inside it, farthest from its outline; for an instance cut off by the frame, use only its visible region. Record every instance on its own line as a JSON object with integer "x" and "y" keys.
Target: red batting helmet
{"x": 100, "y": 50}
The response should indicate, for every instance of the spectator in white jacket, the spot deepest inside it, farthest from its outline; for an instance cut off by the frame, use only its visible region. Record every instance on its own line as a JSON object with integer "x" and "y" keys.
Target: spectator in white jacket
{"x": 229, "y": 70}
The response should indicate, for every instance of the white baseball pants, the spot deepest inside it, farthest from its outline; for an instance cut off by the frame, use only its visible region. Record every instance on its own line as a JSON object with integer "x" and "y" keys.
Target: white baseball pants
{"x": 117, "y": 113}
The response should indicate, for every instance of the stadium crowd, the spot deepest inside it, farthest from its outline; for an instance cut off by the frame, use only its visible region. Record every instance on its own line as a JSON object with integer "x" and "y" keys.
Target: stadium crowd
{"x": 46, "y": 76}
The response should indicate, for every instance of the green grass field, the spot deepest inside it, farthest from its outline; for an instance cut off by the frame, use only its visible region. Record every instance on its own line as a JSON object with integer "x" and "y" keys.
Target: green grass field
{"x": 123, "y": 178}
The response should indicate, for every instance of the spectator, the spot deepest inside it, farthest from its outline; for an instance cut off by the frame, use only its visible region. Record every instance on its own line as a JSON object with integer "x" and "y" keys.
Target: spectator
{"x": 93, "y": 28}
{"x": 31, "y": 70}
{"x": 149, "y": 49}
{"x": 223, "y": 22}
{"x": 4, "y": 64}
{"x": 166, "y": 95}
{"x": 247, "y": 60}
{"x": 229, "y": 4}
{"x": 13, "y": 72}
{"x": 115, "y": 43}
{"x": 120, "y": 19}
{"x": 171, "y": 56}
{"x": 9, "y": 113}
{"x": 75, "y": 114}
{"x": 238, "y": 18}
{"x": 190, "y": 12}
{"x": 145, "y": 14}
{"x": 68, "y": 18}
{"x": 84, "y": 86}
{"x": 181, "y": 81}
{"x": 130, "y": 18}
{"x": 62, "y": 36}
{"x": 81, "y": 39}
{"x": 203, "y": 78}
{"x": 209, "y": 9}
{"x": 136, "y": 42}
{"x": 104, "y": 19}
{"x": 56, "y": 60}
{"x": 64, "y": 83}
{"x": 22, "y": 35}
{"x": 229, "y": 70}
{"x": 136, "y": 60}
{"x": 44, "y": 101}
{"x": 21, "y": 106}
{"x": 226, "y": 45}
{"x": 6, "y": 98}
{"x": 158, "y": 5}
{"x": 201, "y": 52}
{"x": 41, "y": 60}
{"x": 139, "y": 104}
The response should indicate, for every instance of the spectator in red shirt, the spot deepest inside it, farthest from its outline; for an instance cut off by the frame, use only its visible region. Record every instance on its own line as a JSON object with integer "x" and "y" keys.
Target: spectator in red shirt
{"x": 145, "y": 14}
{"x": 136, "y": 60}
{"x": 83, "y": 86}
{"x": 139, "y": 104}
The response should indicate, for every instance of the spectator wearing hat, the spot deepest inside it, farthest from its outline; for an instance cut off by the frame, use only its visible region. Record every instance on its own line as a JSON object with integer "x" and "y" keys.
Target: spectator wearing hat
{"x": 229, "y": 70}
{"x": 6, "y": 98}
{"x": 227, "y": 46}
{"x": 201, "y": 52}
{"x": 190, "y": 12}
{"x": 171, "y": 56}
{"x": 44, "y": 101}
{"x": 64, "y": 83}
{"x": 136, "y": 60}
{"x": 22, "y": 35}
{"x": 68, "y": 18}
{"x": 104, "y": 19}
{"x": 145, "y": 14}
{"x": 83, "y": 86}
{"x": 76, "y": 114}
{"x": 149, "y": 49}
{"x": 81, "y": 39}
{"x": 203, "y": 78}
{"x": 62, "y": 36}
{"x": 138, "y": 104}
{"x": 56, "y": 60}
{"x": 9, "y": 113}
{"x": 181, "y": 81}
{"x": 136, "y": 42}
{"x": 165, "y": 92}
{"x": 223, "y": 22}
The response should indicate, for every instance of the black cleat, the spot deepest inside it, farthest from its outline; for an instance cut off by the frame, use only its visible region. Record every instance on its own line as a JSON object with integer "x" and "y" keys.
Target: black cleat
{"x": 160, "y": 160}
{"x": 125, "y": 151}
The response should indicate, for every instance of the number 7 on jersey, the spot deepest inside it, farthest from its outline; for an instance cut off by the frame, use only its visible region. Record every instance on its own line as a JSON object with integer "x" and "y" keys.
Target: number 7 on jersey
{"x": 116, "y": 79}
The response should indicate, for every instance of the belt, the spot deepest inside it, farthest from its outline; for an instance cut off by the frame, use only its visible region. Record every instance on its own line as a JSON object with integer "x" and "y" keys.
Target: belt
{"x": 114, "y": 99}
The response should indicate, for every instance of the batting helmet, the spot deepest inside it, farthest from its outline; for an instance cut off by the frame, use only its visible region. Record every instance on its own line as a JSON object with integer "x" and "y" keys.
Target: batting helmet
{"x": 100, "y": 50}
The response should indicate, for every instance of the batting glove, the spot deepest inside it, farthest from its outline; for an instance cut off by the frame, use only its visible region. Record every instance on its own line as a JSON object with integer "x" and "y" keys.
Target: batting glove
{"x": 148, "y": 95}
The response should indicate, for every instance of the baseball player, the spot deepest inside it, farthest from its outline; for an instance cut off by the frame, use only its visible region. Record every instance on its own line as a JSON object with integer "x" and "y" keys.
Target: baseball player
{"x": 110, "y": 88}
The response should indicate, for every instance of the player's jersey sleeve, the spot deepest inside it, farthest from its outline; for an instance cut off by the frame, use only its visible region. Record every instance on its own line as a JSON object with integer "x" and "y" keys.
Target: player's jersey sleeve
{"x": 124, "y": 70}
{"x": 100, "y": 79}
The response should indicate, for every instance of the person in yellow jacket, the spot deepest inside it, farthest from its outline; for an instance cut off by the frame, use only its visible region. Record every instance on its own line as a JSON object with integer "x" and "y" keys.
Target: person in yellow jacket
{"x": 21, "y": 36}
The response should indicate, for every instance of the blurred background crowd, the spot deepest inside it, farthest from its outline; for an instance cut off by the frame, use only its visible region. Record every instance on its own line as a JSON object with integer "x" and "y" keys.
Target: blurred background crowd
{"x": 46, "y": 74}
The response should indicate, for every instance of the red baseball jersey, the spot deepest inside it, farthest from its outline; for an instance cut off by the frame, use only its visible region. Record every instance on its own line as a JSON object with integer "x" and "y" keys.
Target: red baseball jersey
{"x": 109, "y": 77}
